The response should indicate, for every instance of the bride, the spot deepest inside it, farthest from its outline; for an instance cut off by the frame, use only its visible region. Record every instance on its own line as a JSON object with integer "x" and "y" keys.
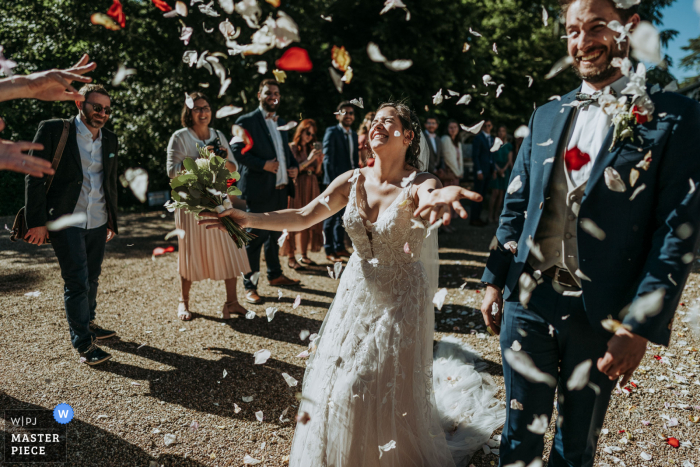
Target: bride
{"x": 367, "y": 397}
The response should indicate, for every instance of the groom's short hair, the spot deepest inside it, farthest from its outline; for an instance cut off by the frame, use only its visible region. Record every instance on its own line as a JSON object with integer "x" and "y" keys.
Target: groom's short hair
{"x": 624, "y": 13}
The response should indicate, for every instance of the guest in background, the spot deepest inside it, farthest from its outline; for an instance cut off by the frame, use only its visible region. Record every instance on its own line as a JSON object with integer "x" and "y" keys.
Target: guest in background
{"x": 362, "y": 138}
{"x": 310, "y": 162}
{"x": 452, "y": 168}
{"x": 430, "y": 132}
{"x": 483, "y": 169}
{"x": 340, "y": 149}
{"x": 268, "y": 171}
{"x": 203, "y": 254}
{"x": 503, "y": 163}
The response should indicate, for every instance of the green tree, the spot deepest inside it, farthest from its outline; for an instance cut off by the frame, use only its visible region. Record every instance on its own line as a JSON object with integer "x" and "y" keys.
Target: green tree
{"x": 692, "y": 60}
{"x": 41, "y": 34}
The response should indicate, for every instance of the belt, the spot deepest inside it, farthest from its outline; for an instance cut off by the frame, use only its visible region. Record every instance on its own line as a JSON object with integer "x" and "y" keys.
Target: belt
{"x": 309, "y": 172}
{"x": 562, "y": 276}
{"x": 281, "y": 187}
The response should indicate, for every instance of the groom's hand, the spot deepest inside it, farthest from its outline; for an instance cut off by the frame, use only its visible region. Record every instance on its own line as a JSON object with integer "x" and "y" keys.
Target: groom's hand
{"x": 625, "y": 352}
{"x": 492, "y": 296}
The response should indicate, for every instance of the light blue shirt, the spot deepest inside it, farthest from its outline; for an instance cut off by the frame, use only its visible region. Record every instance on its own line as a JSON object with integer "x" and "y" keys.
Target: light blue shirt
{"x": 279, "y": 148}
{"x": 92, "y": 200}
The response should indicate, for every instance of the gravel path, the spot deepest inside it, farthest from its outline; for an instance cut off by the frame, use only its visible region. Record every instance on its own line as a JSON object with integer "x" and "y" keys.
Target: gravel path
{"x": 190, "y": 379}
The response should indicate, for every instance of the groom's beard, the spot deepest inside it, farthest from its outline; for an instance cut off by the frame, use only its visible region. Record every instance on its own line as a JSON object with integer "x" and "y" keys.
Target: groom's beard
{"x": 605, "y": 71}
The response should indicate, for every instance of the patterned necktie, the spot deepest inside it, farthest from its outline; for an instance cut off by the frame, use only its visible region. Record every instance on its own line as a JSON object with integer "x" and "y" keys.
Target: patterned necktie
{"x": 587, "y": 99}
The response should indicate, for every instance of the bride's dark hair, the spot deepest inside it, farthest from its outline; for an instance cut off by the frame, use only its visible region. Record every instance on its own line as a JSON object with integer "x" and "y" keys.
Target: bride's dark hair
{"x": 409, "y": 121}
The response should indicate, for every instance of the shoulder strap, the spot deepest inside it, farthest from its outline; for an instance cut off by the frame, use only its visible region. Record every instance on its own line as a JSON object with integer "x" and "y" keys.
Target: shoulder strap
{"x": 59, "y": 153}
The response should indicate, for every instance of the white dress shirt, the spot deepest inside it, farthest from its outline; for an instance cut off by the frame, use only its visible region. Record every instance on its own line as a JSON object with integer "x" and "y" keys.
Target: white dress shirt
{"x": 92, "y": 200}
{"x": 431, "y": 140}
{"x": 348, "y": 135}
{"x": 590, "y": 128}
{"x": 271, "y": 123}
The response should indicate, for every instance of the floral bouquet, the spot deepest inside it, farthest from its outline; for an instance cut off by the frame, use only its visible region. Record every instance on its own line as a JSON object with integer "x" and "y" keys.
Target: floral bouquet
{"x": 204, "y": 185}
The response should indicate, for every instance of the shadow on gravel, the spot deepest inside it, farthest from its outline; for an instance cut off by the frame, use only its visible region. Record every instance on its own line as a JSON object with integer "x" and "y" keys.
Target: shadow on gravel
{"x": 19, "y": 281}
{"x": 91, "y": 445}
{"x": 284, "y": 327}
{"x": 199, "y": 383}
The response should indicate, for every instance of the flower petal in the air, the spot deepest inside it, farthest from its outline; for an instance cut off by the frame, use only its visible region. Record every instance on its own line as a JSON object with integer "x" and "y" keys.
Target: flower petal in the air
{"x": 295, "y": 59}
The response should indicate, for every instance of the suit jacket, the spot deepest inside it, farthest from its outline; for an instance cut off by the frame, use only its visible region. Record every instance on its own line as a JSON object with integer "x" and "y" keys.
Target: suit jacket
{"x": 256, "y": 183}
{"x": 435, "y": 156}
{"x": 481, "y": 156}
{"x": 68, "y": 180}
{"x": 336, "y": 159}
{"x": 642, "y": 250}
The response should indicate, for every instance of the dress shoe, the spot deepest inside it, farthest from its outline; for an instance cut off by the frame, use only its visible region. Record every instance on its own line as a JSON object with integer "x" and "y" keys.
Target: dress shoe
{"x": 283, "y": 280}
{"x": 252, "y": 296}
{"x": 94, "y": 355}
{"x": 477, "y": 223}
{"x": 101, "y": 333}
{"x": 334, "y": 259}
{"x": 343, "y": 253}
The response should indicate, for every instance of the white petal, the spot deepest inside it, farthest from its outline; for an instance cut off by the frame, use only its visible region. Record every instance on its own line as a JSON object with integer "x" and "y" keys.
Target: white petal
{"x": 304, "y": 334}
{"x": 247, "y": 460}
{"x": 337, "y": 269}
{"x": 515, "y": 185}
{"x": 416, "y": 224}
{"x": 261, "y": 356}
{"x": 561, "y": 64}
{"x": 358, "y": 102}
{"x": 497, "y": 143}
{"x": 399, "y": 65}
{"x": 437, "y": 98}
{"x": 535, "y": 249}
{"x": 648, "y": 305}
{"x": 406, "y": 181}
{"x": 638, "y": 190}
{"x": 324, "y": 201}
{"x": 464, "y": 100}
{"x": 227, "y": 111}
{"x": 549, "y": 142}
{"x": 522, "y": 132}
{"x": 250, "y": 315}
{"x": 121, "y": 74}
{"x": 523, "y": 364}
{"x": 474, "y": 33}
{"x": 499, "y": 90}
{"x": 516, "y": 346}
{"x": 290, "y": 381}
{"x": 177, "y": 232}
{"x": 539, "y": 424}
{"x": 439, "y": 298}
{"x": 189, "y": 101}
{"x": 645, "y": 456}
{"x": 282, "y": 238}
{"x": 579, "y": 377}
{"x": 591, "y": 228}
{"x": 288, "y": 126}
{"x": 169, "y": 439}
{"x": 646, "y": 45}
{"x": 247, "y": 398}
{"x": 474, "y": 129}
{"x": 270, "y": 312}
{"x": 545, "y": 16}
{"x": 613, "y": 180}
{"x": 374, "y": 53}
{"x": 515, "y": 405}
{"x": 297, "y": 302}
{"x": 66, "y": 221}
{"x": 386, "y": 447}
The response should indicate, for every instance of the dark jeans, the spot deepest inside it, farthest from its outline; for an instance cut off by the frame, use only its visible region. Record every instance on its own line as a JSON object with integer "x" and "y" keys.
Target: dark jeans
{"x": 479, "y": 187}
{"x": 266, "y": 238}
{"x": 334, "y": 231}
{"x": 581, "y": 412}
{"x": 80, "y": 253}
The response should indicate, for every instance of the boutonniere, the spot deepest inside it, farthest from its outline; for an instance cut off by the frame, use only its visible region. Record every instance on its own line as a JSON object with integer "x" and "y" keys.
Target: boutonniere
{"x": 633, "y": 108}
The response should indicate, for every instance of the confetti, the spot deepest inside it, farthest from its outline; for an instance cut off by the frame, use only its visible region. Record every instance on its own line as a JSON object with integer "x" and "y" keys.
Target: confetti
{"x": 515, "y": 185}
{"x": 270, "y": 312}
{"x": 297, "y": 302}
{"x": 261, "y": 356}
{"x": 66, "y": 221}
{"x": 439, "y": 298}
{"x": 613, "y": 180}
{"x": 523, "y": 364}
{"x": 539, "y": 424}
{"x": 580, "y": 375}
{"x": 290, "y": 381}
{"x": 387, "y": 447}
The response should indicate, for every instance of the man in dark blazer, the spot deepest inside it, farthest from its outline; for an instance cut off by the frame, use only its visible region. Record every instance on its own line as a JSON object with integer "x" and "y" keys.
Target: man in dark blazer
{"x": 84, "y": 186}
{"x": 595, "y": 243}
{"x": 268, "y": 171}
{"x": 430, "y": 135}
{"x": 483, "y": 169}
{"x": 340, "y": 155}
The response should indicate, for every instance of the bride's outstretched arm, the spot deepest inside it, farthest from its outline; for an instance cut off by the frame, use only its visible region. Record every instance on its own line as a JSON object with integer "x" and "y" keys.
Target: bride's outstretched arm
{"x": 434, "y": 200}
{"x": 332, "y": 200}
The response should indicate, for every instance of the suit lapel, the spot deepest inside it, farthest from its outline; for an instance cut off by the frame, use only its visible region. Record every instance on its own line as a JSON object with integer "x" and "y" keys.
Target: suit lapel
{"x": 605, "y": 158}
{"x": 72, "y": 144}
{"x": 106, "y": 151}
{"x": 265, "y": 129}
{"x": 558, "y": 132}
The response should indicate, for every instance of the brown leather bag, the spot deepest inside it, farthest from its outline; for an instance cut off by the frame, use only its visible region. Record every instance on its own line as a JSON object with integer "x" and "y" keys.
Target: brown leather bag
{"x": 19, "y": 227}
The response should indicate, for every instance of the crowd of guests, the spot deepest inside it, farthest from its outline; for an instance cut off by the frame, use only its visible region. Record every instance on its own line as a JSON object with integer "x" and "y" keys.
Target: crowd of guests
{"x": 283, "y": 169}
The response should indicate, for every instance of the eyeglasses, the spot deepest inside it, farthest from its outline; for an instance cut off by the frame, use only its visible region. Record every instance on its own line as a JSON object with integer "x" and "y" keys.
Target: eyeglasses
{"x": 99, "y": 108}
{"x": 201, "y": 109}
{"x": 308, "y": 133}
{"x": 349, "y": 112}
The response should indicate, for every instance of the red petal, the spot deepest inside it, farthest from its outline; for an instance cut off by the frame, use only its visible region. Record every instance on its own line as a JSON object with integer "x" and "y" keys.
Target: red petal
{"x": 575, "y": 159}
{"x": 248, "y": 142}
{"x": 161, "y": 5}
{"x": 673, "y": 442}
{"x": 169, "y": 249}
{"x": 657, "y": 357}
{"x": 158, "y": 251}
{"x": 639, "y": 117}
{"x": 295, "y": 59}
{"x": 115, "y": 12}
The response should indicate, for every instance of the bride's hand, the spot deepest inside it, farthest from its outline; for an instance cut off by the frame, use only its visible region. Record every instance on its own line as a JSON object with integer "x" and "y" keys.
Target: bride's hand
{"x": 436, "y": 203}
{"x": 212, "y": 220}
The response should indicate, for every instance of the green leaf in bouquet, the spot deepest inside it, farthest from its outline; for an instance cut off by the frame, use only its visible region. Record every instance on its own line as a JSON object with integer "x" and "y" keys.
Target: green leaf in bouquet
{"x": 181, "y": 180}
{"x": 189, "y": 164}
{"x": 198, "y": 186}
{"x": 233, "y": 191}
{"x": 176, "y": 196}
{"x": 194, "y": 193}
{"x": 217, "y": 162}
{"x": 234, "y": 175}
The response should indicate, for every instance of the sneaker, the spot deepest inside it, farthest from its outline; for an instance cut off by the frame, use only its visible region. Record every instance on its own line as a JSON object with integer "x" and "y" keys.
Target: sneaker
{"x": 94, "y": 355}
{"x": 101, "y": 333}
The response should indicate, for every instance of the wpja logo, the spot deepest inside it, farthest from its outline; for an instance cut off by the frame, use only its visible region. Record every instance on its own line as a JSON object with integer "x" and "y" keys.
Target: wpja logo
{"x": 36, "y": 435}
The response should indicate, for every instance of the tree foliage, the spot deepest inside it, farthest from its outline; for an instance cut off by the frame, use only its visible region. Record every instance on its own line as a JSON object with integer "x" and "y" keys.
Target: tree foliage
{"x": 42, "y": 34}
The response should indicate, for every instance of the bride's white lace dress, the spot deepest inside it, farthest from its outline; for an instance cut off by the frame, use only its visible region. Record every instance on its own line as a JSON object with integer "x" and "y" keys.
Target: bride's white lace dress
{"x": 368, "y": 387}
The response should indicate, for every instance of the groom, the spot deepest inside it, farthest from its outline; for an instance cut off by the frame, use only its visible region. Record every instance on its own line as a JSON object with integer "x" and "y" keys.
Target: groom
{"x": 594, "y": 227}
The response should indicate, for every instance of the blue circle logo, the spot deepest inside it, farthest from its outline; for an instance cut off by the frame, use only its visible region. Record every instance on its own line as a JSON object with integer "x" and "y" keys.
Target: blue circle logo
{"x": 63, "y": 413}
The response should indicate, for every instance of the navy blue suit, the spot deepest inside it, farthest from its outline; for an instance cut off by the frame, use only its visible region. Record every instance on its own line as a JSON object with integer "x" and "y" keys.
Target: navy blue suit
{"x": 258, "y": 189}
{"x": 642, "y": 251}
{"x": 337, "y": 161}
{"x": 483, "y": 162}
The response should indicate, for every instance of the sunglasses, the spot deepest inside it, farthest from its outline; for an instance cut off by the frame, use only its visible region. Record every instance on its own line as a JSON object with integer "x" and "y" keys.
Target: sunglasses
{"x": 99, "y": 108}
{"x": 308, "y": 133}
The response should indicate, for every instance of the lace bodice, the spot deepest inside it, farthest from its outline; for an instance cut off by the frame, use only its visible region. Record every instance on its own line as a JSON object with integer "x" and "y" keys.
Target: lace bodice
{"x": 383, "y": 242}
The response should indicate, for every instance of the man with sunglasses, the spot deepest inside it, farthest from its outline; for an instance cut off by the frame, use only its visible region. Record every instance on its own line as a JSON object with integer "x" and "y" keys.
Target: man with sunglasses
{"x": 341, "y": 155}
{"x": 85, "y": 185}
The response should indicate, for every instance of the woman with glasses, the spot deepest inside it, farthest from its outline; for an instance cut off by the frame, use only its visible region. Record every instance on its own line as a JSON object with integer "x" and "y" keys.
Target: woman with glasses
{"x": 203, "y": 254}
{"x": 310, "y": 159}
